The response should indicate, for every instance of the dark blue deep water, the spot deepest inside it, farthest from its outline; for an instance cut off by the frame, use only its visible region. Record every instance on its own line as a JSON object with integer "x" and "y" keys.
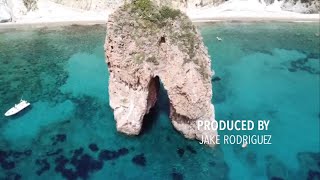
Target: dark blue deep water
{"x": 263, "y": 71}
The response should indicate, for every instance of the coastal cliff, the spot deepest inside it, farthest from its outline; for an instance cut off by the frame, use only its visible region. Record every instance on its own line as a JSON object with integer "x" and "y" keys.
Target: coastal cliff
{"x": 300, "y": 6}
{"x": 46, "y": 10}
{"x": 146, "y": 44}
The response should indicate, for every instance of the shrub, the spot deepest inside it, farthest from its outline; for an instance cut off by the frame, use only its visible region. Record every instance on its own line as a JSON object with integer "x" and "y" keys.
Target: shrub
{"x": 148, "y": 11}
{"x": 167, "y": 13}
{"x": 143, "y": 5}
{"x": 31, "y": 5}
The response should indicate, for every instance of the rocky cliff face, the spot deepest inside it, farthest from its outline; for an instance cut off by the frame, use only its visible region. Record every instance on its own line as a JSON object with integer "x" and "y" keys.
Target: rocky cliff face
{"x": 301, "y": 6}
{"x": 91, "y": 4}
{"x": 145, "y": 44}
{"x": 5, "y": 12}
{"x": 111, "y": 4}
{"x": 11, "y": 9}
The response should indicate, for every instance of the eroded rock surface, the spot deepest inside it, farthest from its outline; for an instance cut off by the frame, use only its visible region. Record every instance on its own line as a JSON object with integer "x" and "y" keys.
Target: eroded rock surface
{"x": 5, "y": 14}
{"x": 146, "y": 43}
{"x": 303, "y": 6}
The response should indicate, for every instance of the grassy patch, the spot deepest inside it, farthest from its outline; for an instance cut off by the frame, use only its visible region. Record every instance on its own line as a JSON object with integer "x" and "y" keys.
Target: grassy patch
{"x": 139, "y": 58}
{"x": 166, "y": 13}
{"x": 152, "y": 19}
{"x": 157, "y": 16}
{"x": 153, "y": 60}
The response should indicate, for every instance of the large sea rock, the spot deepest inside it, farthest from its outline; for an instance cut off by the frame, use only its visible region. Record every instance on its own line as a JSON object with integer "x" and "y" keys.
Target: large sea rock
{"x": 146, "y": 44}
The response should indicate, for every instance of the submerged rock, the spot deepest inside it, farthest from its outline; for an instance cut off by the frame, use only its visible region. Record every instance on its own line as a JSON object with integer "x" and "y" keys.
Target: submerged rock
{"x": 139, "y": 160}
{"x": 13, "y": 176}
{"x": 313, "y": 175}
{"x": 276, "y": 178}
{"x": 27, "y": 152}
{"x": 53, "y": 153}
{"x": 80, "y": 166}
{"x": 7, "y": 165}
{"x": 148, "y": 43}
{"x": 216, "y": 79}
{"x": 59, "y": 138}
{"x": 180, "y": 152}
{"x": 78, "y": 152}
{"x": 3, "y": 155}
{"x": 309, "y": 164}
{"x": 44, "y": 166}
{"x": 107, "y": 155}
{"x": 275, "y": 168}
{"x": 93, "y": 147}
{"x": 190, "y": 149}
{"x": 176, "y": 176}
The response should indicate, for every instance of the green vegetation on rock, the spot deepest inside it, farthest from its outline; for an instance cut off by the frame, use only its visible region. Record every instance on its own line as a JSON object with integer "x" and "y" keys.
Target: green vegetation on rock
{"x": 149, "y": 12}
{"x": 139, "y": 58}
{"x": 146, "y": 19}
{"x": 143, "y": 5}
{"x": 166, "y": 13}
{"x": 153, "y": 60}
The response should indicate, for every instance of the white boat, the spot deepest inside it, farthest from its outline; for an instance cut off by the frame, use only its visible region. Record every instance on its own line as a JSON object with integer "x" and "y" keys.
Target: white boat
{"x": 218, "y": 38}
{"x": 17, "y": 108}
{"x": 244, "y": 145}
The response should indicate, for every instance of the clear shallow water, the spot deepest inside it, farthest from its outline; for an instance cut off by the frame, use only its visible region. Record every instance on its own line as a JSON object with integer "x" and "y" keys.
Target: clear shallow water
{"x": 266, "y": 71}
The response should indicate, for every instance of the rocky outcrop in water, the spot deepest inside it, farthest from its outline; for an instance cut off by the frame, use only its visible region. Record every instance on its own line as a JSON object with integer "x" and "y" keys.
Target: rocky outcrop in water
{"x": 148, "y": 43}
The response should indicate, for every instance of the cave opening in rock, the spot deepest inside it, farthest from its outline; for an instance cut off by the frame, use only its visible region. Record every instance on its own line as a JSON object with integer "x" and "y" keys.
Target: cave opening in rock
{"x": 162, "y": 40}
{"x": 162, "y": 106}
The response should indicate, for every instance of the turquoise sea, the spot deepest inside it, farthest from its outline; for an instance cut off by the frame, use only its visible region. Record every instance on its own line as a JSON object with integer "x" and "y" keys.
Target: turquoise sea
{"x": 263, "y": 71}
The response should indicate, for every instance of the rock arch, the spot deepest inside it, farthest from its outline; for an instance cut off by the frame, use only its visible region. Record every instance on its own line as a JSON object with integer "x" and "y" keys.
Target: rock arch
{"x": 139, "y": 50}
